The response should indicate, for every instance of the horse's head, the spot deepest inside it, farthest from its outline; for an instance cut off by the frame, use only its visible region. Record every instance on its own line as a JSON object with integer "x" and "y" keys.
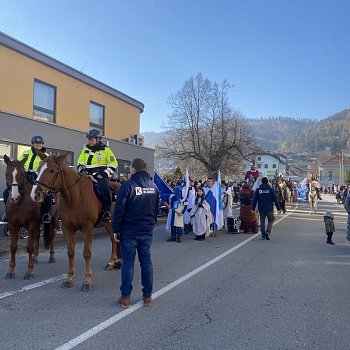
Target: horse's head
{"x": 50, "y": 177}
{"x": 15, "y": 177}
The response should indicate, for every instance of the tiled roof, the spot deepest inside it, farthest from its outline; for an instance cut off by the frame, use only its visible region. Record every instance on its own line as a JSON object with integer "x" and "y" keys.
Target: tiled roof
{"x": 336, "y": 161}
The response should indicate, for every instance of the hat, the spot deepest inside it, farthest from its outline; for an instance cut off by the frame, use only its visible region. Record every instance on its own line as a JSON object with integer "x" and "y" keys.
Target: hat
{"x": 329, "y": 213}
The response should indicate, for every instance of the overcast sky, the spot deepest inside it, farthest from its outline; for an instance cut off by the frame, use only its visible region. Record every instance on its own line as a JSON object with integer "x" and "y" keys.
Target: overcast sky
{"x": 284, "y": 57}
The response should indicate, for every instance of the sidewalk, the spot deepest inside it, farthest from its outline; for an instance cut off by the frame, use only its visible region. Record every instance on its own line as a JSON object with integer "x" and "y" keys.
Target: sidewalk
{"x": 5, "y": 242}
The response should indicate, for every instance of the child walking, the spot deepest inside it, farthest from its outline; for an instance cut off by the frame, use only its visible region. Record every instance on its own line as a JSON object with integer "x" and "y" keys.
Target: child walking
{"x": 329, "y": 224}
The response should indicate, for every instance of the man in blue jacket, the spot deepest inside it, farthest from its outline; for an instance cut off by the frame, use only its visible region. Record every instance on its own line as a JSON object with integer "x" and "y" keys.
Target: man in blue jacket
{"x": 265, "y": 197}
{"x": 134, "y": 218}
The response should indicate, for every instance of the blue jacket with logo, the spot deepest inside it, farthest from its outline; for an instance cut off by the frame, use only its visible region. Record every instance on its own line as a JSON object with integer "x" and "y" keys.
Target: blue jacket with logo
{"x": 265, "y": 196}
{"x": 137, "y": 204}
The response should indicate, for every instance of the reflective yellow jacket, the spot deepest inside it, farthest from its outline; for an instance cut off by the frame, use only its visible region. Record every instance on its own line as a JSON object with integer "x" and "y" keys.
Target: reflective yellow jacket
{"x": 98, "y": 158}
{"x": 33, "y": 160}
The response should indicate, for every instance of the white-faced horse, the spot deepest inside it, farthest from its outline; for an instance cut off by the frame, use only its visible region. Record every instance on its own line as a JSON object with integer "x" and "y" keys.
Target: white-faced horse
{"x": 313, "y": 199}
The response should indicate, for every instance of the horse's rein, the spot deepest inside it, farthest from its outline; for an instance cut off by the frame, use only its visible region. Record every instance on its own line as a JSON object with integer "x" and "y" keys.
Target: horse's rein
{"x": 51, "y": 185}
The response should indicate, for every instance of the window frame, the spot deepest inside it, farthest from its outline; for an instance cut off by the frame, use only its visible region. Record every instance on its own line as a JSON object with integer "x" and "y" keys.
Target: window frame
{"x": 94, "y": 125}
{"x": 11, "y": 149}
{"x": 44, "y": 110}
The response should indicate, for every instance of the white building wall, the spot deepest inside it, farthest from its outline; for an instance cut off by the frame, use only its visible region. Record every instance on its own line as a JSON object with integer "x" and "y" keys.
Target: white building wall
{"x": 268, "y": 164}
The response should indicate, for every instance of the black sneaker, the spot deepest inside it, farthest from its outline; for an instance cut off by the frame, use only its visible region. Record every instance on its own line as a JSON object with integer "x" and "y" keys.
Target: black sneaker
{"x": 267, "y": 237}
{"x": 262, "y": 237}
{"x": 4, "y": 218}
{"x": 171, "y": 239}
{"x": 178, "y": 239}
{"x": 46, "y": 219}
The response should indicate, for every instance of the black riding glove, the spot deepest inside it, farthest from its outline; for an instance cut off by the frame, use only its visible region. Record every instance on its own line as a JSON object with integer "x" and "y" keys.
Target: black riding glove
{"x": 82, "y": 169}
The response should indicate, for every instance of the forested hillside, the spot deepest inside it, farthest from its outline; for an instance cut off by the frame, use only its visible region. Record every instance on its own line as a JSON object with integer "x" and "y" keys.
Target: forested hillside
{"x": 293, "y": 136}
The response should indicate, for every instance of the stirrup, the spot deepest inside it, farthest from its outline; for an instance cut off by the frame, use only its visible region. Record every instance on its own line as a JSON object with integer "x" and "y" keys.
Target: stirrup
{"x": 106, "y": 216}
{"x": 46, "y": 219}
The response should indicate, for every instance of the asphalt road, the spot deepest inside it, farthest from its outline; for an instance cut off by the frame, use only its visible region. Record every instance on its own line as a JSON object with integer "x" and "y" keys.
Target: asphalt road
{"x": 228, "y": 292}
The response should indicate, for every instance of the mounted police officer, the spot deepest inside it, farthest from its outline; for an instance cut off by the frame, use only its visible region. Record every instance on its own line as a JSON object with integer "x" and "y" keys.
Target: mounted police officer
{"x": 98, "y": 160}
{"x": 31, "y": 171}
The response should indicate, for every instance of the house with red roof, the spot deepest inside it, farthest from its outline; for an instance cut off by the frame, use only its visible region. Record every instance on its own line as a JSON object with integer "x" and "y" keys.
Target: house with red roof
{"x": 335, "y": 171}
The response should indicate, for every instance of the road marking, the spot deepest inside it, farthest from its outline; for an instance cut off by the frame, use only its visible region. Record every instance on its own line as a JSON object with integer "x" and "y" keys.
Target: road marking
{"x": 109, "y": 322}
{"x": 32, "y": 286}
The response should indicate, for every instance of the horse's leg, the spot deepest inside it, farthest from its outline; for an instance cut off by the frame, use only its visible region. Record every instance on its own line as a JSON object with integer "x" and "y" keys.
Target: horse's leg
{"x": 14, "y": 237}
{"x": 36, "y": 246}
{"x": 88, "y": 233}
{"x": 52, "y": 258}
{"x": 70, "y": 238}
{"x": 110, "y": 265}
{"x": 33, "y": 234}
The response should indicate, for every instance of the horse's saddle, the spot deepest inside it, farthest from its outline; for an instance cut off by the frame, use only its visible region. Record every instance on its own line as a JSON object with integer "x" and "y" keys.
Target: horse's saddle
{"x": 97, "y": 190}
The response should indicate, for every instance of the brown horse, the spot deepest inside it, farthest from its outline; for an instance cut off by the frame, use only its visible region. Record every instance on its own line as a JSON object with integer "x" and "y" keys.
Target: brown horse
{"x": 22, "y": 212}
{"x": 79, "y": 210}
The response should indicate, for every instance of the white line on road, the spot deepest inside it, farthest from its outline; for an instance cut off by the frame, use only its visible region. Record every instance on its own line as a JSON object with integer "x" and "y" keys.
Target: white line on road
{"x": 32, "y": 286}
{"x": 100, "y": 327}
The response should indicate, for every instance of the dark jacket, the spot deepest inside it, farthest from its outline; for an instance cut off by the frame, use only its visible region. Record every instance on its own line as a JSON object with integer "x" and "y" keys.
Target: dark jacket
{"x": 137, "y": 203}
{"x": 265, "y": 196}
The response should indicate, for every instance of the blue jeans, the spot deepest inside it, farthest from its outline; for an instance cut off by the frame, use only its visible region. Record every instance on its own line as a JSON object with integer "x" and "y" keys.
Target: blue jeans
{"x": 130, "y": 242}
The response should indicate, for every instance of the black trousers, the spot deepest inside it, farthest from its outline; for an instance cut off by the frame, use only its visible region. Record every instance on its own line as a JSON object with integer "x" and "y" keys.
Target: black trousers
{"x": 106, "y": 193}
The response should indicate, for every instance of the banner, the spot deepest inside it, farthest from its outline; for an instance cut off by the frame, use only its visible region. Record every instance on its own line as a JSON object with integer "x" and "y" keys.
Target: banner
{"x": 214, "y": 199}
{"x": 302, "y": 189}
{"x": 164, "y": 190}
{"x": 185, "y": 185}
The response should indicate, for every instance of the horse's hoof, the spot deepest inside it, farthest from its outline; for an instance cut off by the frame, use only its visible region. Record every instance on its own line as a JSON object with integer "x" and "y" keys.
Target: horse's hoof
{"x": 28, "y": 276}
{"x": 118, "y": 265}
{"x": 10, "y": 275}
{"x": 52, "y": 260}
{"x": 67, "y": 284}
{"x": 85, "y": 287}
{"x": 109, "y": 267}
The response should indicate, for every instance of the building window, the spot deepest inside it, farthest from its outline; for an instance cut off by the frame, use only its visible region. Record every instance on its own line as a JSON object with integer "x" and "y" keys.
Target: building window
{"x": 274, "y": 166}
{"x": 44, "y": 105}
{"x": 5, "y": 148}
{"x": 57, "y": 152}
{"x": 97, "y": 114}
{"x": 123, "y": 167}
{"x": 266, "y": 166}
{"x": 259, "y": 158}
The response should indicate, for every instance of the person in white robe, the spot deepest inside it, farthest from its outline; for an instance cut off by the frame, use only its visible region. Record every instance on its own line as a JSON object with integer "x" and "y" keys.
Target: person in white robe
{"x": 175, "y": 223}
{"x": 200, "y": 216}
{"x": 209, "y": 187}
{"x": 190, "y": 203}
{"x": 226, "y": 202}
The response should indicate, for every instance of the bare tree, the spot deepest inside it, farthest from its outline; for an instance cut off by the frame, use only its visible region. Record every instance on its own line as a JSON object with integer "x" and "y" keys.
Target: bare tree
{"x": 204, "y": 128}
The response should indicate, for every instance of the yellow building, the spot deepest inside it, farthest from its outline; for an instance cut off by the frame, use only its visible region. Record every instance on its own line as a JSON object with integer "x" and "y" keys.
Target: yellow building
{"x": 40, "y": 87}
{"x": 40, "y": 95}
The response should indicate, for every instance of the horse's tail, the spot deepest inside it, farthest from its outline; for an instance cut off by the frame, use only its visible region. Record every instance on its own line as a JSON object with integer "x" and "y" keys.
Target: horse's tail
{"x": 47, "y": 235}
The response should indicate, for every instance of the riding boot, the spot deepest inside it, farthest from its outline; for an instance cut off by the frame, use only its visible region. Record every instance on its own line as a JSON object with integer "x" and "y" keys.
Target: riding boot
{"x": 46, "y": 209}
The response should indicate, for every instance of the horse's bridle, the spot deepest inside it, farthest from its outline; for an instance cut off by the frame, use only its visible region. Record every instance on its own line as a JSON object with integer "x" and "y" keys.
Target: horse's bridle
{"x": 20, "y": 187}
{"x": 51, "y": 186}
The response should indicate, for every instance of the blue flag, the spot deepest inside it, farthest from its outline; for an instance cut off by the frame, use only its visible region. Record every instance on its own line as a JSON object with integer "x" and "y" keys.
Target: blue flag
{"x": 164, "y": 190}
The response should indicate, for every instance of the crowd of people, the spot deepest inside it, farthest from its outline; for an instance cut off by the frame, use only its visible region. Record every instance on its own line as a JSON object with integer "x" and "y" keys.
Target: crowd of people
{"x": 192, "y": 214}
